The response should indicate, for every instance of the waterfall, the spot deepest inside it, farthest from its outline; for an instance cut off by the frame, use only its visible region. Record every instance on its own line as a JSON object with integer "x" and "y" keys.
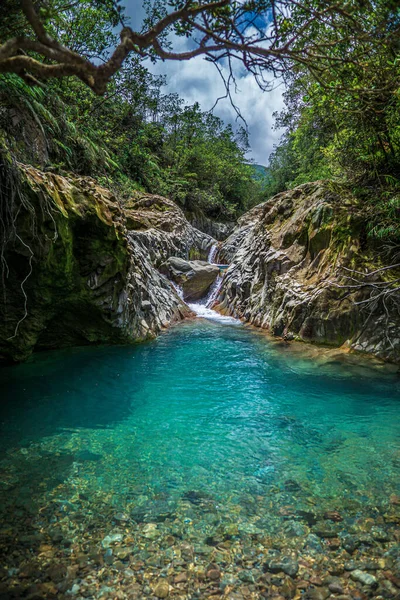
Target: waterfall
{"x": 202, "y": 308}
{"x": 212, "y": 255}
{"x": 213, "y": 293}
{"x": 177, "y": 288}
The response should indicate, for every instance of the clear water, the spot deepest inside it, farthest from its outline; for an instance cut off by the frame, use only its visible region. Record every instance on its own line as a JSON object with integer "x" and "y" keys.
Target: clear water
{"x": 211, "y": 414}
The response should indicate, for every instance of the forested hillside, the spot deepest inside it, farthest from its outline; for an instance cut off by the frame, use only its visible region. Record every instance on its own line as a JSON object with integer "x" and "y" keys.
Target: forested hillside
{"x": 346, "y": 127}
{"x": 135, "y": 137}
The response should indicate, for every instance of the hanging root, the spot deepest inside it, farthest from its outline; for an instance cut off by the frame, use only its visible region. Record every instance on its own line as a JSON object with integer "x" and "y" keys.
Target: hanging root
{"x": 13, "y": 203}
{"x": 23, "y": 289}
{"x": 380, "y": 295}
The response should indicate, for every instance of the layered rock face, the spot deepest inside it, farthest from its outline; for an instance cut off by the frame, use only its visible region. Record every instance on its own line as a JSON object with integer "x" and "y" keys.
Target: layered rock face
{"x": 79, "y": 268}
{"x": 216, "y": 229}
{"x": 161, "y": 227}
{"x": 195, "y": 277}
{"x": 288, "y": 272}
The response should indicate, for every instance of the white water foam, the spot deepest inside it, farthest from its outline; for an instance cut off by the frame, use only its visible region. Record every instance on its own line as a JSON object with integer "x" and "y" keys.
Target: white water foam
{"x": 212, "y": 255}
{"x": 203, "y": 308}
{"x": 207, "y": 313}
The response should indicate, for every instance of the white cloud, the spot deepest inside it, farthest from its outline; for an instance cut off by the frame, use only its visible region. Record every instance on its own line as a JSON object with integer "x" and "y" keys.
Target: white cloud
{"x": 197, "y": 80}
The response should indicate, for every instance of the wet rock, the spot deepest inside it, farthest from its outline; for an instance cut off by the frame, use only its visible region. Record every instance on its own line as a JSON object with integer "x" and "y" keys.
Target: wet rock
{"x": 290, "y": 485}
{"x": 181, "y": 578}
{"x": 287, "y": 565}
{"x": 351, "y": 565}
{"x": 379, "y": 534}
{"x": 213, "y": 573}
{"x": 350, "y": 543}
{"x": 108, "y": 557}
{"x": 121, "y": 518}
{"x": 288, "y": 588}
{"x": 294, "y": 529}
{"x": 333, "y": 515}
{"x": 320, "y": 593}
{"x": 309, "y": 517}
{"x": 195, "y": 277}
{"x": 333, "y": 543}
{"x": 196, "y": 497}
{"x": 57, "y": 572}
{"x": 335, "y": 588}
{"x": 324, "y": 530}
{"x": 162, "y": 589}
{"x": 364, "y": 578}
{"x": 246, "y": 576}
{"x": 112, "y": 538}
{"x": 313, "y": 543}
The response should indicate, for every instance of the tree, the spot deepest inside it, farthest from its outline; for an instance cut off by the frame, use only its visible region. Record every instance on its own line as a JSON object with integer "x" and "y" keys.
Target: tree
{"x": 266, "y": 36}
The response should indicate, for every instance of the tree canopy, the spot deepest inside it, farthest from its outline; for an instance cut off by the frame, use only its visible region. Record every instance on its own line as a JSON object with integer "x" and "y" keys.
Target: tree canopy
{"x": 268, "y": 37}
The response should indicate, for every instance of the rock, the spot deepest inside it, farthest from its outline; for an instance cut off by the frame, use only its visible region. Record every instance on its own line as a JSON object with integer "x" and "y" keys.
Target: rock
{"x": 335, "y": 588}
{"x": 295, "y": 529}
{"x": 333, "y": 543}
{"x": 162, "y": 589}
{"x": 333, "y": 515}
{"x": 379, "y": 534}
{"x": 112, "y": 538}
{"x": 313, "y": 543}
{"x": 161, "y": 227}
{"x": 281, "y": 255}
{"x": 195, "y": 277}
{"x": 287, "y": 565}
{"x": 57, "y": 572}
{"x": 350, "y": 543}
{"x": 364, "y": 578}
{"x": 320, "y": 593}
{"x": 94, "y": 278}
{"x": 288, "y": 588}
{"x": 181, "y": 578}
{"x": 350, "y": 565}
{"x": 214, "y": 574}
{"x": 246, "y": 576}
{"x": 215, "y": 229}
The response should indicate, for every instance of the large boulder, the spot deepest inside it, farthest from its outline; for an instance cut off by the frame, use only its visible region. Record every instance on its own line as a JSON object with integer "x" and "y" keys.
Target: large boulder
{"x": 291, "y": 258}
{"x": 195, "y": 277}
{"x": 72, "y": 273}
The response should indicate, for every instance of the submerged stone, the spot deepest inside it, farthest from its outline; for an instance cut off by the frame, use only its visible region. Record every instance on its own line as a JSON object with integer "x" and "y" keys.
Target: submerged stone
{"x": 364, "y": 578}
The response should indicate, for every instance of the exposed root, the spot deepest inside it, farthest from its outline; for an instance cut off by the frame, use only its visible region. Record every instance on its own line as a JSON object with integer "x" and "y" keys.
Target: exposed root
{"x": 381, "y": 297}
{"x": 13, "y": 203}
{"x": 23, "y": 289}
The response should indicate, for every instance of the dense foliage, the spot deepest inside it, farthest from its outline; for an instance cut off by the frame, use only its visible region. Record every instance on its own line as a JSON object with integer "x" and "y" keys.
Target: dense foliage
{"x": 347, "y": 128}
{"x": 340, "y": 62}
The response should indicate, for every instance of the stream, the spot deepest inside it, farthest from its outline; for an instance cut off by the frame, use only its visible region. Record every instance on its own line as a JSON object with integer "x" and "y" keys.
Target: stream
{"x": 210, "y": 435}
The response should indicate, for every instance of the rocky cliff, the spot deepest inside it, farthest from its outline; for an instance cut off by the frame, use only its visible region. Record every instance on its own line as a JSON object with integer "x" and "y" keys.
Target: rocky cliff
{"x": 78, "y": 267}
{"x": 297, "y": 269}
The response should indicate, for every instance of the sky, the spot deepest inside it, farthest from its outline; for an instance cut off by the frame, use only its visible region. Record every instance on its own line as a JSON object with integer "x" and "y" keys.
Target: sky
{"x": 198, "y": 81}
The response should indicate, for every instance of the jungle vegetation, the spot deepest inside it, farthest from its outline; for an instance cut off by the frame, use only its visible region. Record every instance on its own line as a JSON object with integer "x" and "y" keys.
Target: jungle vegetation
{"x": 80, "y": 69}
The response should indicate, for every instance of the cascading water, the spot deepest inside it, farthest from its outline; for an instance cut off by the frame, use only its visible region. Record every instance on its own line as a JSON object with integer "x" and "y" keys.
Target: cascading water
{"x": 212, "y": 255}
{"x": 202, "y": 308}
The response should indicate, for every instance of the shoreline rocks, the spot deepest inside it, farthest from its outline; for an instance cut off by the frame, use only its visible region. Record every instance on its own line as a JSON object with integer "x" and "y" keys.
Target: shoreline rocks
{"x": 82, "y": 269}
{"x": 288, "y": 273}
